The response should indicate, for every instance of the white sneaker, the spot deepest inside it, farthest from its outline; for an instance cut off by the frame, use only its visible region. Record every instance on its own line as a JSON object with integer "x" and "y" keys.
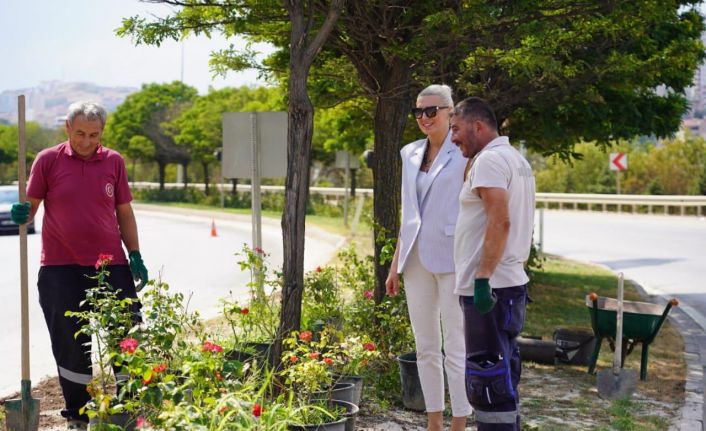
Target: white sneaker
{"x": 73, "y": 424}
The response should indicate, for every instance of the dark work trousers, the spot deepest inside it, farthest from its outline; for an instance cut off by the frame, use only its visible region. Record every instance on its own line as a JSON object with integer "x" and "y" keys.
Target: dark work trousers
{"x": 493, "y": 364}
{"x": 61, "y": 289}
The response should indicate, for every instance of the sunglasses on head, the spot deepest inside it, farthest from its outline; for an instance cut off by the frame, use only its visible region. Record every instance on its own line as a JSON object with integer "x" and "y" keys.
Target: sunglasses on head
{"x": 429, "y": 111}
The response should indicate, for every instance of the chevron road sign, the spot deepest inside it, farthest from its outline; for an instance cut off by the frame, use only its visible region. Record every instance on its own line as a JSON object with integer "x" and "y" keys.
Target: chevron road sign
{"x": 618, "y": 162}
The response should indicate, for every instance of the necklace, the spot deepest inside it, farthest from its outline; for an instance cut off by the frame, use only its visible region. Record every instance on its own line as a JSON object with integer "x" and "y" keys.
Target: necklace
{"x": 426, "y": 160}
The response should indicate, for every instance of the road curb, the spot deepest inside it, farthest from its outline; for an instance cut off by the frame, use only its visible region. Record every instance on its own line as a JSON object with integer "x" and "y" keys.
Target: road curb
{"x": 692, "y": 415}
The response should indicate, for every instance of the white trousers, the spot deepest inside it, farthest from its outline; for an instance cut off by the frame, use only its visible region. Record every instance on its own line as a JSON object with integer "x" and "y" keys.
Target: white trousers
{"x": 434, "y": 310}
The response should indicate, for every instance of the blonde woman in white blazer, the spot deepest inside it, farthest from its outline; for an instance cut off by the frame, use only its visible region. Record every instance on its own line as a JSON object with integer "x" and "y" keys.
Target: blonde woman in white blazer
{"x": 432, "y": 176}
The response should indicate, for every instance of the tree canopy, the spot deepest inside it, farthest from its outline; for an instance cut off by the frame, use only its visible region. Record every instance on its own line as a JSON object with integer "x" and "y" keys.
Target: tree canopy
{"x": 145, "y": 113}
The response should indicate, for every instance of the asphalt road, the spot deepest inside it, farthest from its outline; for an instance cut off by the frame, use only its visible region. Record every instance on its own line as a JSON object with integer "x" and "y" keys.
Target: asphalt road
{"x": 179, "y": 246}
{"x": 666, "y": 255}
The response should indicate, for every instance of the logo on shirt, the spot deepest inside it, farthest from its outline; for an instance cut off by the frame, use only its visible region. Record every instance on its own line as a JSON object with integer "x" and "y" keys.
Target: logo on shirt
{"x": 109, "y": 190}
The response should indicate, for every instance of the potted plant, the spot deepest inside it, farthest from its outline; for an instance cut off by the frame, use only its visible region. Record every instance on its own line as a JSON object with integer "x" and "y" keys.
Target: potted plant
{"x": 352, "y": 355}
{"x": 110, "y": 321}
{"x": 307, "y": 376}
{"x": 254, "y": 323}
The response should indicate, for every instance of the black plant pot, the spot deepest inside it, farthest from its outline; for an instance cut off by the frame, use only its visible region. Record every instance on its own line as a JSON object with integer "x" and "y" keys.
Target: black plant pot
{"x": 124, "y": 420}
{"x": 346, "y": 423}
{"x": 339, "y": 392}
{"x": 412, "y": 395}
{"x": 357, "y": 386}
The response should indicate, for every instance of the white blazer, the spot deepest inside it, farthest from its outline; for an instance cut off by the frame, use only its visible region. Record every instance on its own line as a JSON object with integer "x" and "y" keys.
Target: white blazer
{"x": 434, "y": 223}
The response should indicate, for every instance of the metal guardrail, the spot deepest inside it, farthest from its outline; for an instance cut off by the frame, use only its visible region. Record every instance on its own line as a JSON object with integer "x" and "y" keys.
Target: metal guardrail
{"x": 624, "y": 203}
{"x": 648, "y": 204}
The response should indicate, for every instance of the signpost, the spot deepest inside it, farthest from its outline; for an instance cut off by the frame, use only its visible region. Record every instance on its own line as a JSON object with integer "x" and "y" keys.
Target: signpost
{"x": 346, "y": 161}
{"x": 618, "y": 162}
{"x": 248, "y": 138}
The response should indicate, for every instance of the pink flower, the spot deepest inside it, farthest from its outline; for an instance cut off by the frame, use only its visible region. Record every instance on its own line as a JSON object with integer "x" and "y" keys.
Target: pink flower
{"x": 258, "y": 250}
{"x": 369, "y": 346}
{"x": 142, "y": 422}
{"x": 244, "y": 311}
{"x": 293, "y": 359}
{"x": 211, "y": 347}
{"x": 103, "y": 259}
{"x": 368, "y": 294}
{"x": 129, "y": 345}
{"x": 328, "y": 361}
{"x": 256, "y": 410}
{"x": 313, "y": 355}
{"x": 306, "y": 336}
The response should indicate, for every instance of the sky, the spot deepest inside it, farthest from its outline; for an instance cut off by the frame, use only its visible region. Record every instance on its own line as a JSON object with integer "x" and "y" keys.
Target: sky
{"x": 75, "y": 41}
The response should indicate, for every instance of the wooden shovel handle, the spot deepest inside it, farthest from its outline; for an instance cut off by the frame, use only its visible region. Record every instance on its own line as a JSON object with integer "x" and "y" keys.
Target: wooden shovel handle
{"x": 22, "y": 180}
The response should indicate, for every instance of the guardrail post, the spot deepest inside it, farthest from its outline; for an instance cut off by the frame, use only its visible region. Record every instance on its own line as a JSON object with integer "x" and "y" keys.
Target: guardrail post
{"x": 541, "y": 230}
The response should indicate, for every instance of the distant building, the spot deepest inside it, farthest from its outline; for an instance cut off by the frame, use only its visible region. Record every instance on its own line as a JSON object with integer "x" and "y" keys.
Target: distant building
{"x": 47, "y": 103}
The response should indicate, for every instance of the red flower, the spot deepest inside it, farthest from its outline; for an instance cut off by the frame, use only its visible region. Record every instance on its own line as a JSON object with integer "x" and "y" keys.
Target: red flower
{"x": 293, "y": 359}
{"x": 103, "y": 259}
{"x": 318, "y": 269}
{"x": 245, "y": 310}
{"x": 223, "y": 409}
{"x": 259, "y": 250}
{"x": 368, "y": 294}
{"x": 328, "y": 361}
{"x": 218, "y": 375}
{"x": 142, "y": 422}
{"x": 159, "y": 368}
{"x": 305, "y": 336}
{"x": 313, "y": 355}
{"x": 129, "y": 345}
{"x": 369, "y": 346}
{"x": 146, "y": 382}
{"x": 211, "y": 347}
{"x": 256, "y": 410}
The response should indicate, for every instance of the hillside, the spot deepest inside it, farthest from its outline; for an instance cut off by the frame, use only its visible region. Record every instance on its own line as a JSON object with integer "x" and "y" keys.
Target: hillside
{"x": 47, "y": 102}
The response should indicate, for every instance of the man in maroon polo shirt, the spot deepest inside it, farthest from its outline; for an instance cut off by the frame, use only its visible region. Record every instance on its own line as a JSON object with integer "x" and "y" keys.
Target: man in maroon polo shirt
{"x": 87, "y": 211}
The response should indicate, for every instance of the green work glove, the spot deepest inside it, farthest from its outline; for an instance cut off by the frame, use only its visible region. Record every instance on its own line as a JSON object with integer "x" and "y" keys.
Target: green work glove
{"x": 483, "y": 297}
{"x": 137, "y": 267}
{"x": 19, "y": 213}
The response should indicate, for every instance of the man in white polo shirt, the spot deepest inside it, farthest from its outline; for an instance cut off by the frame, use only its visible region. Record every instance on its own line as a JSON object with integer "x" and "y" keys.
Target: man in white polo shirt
{"x": 492, "y": 242}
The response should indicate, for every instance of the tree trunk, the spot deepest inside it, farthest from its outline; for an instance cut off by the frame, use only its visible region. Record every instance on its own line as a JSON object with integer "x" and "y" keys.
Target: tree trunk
{"x": 390, "y": 119}
{"x": 186, "y": 175}
{"x": 353, "y": 174}
{"x": 162, "y": 174}
{"x": 296, "y": 195}
{"x": 205, "y": 177}
{"x": 300, "y": 127}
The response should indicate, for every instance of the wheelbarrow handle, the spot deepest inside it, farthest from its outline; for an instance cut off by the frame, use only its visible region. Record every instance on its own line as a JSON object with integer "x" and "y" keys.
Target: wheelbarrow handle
{"x": 671, "y": 303}
{"x": 593, "y": 297}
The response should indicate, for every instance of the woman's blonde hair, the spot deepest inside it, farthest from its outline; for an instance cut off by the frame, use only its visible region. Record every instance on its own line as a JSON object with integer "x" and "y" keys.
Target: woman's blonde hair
{"x": 439, "y": 90}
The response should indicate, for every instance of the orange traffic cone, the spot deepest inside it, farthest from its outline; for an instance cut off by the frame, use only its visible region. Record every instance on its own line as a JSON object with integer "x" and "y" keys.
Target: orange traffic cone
{"x": 213, "y": 228}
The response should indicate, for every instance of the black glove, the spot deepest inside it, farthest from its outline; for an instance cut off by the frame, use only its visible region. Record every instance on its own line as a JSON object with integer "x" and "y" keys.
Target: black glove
{"x": 483, "y": 297}
{"x": 138, "y": 269}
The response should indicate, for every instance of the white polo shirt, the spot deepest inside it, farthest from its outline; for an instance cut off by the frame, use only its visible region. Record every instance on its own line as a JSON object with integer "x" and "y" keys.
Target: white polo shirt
{"x": 498, "y": 165}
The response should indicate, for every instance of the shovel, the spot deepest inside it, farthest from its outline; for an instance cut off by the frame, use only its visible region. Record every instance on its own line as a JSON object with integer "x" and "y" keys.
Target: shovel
{"x": 23, "y": 414}
{"x": 617, "y": 383}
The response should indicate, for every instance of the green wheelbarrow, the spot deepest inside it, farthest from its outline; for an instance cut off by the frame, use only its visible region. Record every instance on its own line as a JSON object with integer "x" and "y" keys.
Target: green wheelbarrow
{"x": 641, "y": 323}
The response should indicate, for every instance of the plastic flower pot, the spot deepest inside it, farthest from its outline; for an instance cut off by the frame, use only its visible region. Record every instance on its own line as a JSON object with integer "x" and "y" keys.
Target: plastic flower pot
{"x": 412, "y": 395}
{"x": 338, "y": 392}
{"x": 351, "y": 413}
{"x": 125, "y": 421}
{"x": 357, "y": 385}
{"x": 261, "y": 351}
{"x": 345, "y": 423}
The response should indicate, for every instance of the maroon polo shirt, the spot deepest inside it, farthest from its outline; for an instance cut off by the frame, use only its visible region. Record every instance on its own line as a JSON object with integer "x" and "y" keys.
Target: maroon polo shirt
{"x": 80, "y": 197}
